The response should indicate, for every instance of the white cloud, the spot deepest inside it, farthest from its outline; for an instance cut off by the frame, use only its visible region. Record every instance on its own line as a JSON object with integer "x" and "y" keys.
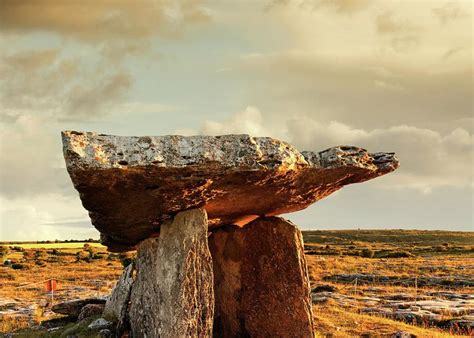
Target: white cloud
{"x": 45, "y": 217}
{"x": 248, "y": 121}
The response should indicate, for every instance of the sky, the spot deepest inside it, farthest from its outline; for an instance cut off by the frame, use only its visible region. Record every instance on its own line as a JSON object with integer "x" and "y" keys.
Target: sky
{"x": 381, "y": 74}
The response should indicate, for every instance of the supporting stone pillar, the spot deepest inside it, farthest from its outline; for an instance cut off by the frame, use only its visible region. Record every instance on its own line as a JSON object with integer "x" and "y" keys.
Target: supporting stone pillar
{"x": 116, "y": 307}
{"x": 172, "y": 295}
{"x": 261, "y": 280}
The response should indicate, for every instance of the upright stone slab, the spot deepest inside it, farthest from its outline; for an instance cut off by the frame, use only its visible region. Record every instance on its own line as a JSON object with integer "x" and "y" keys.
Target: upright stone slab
{"x": 261, "y": 280}
{"x": 172, "y": 295}
{"x": 116, "y": 306}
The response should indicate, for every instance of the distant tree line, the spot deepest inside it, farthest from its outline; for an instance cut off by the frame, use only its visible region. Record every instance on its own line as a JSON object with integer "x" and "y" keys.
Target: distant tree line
{"x": 89, "y": 240}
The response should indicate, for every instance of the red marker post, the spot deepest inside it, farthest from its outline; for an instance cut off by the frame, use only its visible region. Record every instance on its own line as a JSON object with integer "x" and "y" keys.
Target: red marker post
{"x": 51, "y": 286}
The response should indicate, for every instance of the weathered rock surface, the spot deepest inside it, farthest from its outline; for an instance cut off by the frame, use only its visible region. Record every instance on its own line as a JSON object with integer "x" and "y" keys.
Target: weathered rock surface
{"x": 433, "y": 308}
{"x": 132, "y": 185}
{"x": 172, "y": 295}
{"x": 90, "y": 310}
{"x": 261, "y": 280}
{"x": 116, "y": 307}
{"x": 458, "y": 282}
{"x": 73, "y": 307}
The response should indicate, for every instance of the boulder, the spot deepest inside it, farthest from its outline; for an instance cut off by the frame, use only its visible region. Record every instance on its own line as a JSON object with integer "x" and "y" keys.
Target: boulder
{"x": 90, "y": 310}
{"x": 261, "y": 280}
{"x": 172, "y": 295}
{"x": 133, "y": 185}
{"x": 73, "y": 307}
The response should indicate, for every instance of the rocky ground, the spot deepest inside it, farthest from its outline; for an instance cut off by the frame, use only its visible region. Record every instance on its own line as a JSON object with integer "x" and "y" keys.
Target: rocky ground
{"x": 444, "y": 309}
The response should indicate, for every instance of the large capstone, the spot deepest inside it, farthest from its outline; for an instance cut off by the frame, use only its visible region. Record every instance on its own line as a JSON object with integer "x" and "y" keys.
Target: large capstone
{"x": 261, "y": 280}
{"x": 172, "y": 294}
{"x": 131, "y": 186}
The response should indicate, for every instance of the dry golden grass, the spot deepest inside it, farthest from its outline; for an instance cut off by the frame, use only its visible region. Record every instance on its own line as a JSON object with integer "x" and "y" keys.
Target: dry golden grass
{"x": 76, "y": 279}
{"x": 331, "y": 319}
{"x": 83, "y": 277}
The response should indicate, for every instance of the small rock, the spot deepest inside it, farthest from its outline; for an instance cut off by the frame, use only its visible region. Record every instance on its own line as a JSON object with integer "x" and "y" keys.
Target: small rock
{"x": 323, "y": 288}
{"x": 105, "y": 333}
{"x": 319, "y": 299}
{"x": 403, "y": 334}
{"x": 99, "y": 324}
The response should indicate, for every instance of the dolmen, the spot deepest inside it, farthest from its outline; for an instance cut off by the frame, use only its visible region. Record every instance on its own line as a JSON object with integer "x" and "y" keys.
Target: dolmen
{"x": 213, "y": 257}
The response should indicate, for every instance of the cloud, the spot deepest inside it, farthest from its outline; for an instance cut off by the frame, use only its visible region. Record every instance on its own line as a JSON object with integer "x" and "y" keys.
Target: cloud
{"x": 398, "y": 32}
{"x": 31, "y": 155}
{"x": 44, "y": 218}
{"x": 248, "y": 121}
{"x": 368, "y": 92}
{"x": 45, "y": 81}
{"x": 340, "y": 6}
{"x": 450, "y": 11}
{"x": 84, "y": 74}
{"x": 98, "y": 21}
{"x": 428, "y": 159}
{"x": 93, "y": 98}
{"x": 388, "y": 23}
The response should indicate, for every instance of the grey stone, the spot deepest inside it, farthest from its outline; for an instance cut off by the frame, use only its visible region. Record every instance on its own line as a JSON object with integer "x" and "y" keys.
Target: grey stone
{"x": 99, "y": 324}
{"x": 116, "y": 306}
{"x": 172, "y": 295}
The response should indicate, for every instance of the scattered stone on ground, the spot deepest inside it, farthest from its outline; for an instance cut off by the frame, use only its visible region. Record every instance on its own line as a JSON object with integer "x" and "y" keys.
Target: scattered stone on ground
{"x": 430, "y": 308}
{"x": 422, "y": 281}
{"x": 322, "y": 288}
{"x": 90, "y": 310}
{"x": 73, "y": 307}
{"x": 100, "y": 324}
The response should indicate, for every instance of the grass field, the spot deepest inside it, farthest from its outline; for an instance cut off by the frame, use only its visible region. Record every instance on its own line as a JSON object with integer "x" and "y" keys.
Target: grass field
{"x": 337, "y": 260}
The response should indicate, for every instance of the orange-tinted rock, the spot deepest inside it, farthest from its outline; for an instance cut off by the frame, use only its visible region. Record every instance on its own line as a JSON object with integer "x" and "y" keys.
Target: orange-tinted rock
{"x": 131, "y": 185}
{"x": 261, "y": 280}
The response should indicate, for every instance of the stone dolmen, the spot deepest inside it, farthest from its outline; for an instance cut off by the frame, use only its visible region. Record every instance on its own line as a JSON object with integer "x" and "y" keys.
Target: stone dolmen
{"x": 213, "y": 258}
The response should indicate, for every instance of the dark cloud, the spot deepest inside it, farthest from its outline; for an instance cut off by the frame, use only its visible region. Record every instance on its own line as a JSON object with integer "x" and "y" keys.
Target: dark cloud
{"x": 46, "y": 82}
{"x": 52, "y": 80}
{"x": 97, "y": 21}
{"x": 94, "y": 98}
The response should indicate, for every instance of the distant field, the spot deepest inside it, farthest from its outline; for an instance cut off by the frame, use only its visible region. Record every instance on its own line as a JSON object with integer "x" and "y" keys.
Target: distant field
{"x": 395, "y": 236}
{"x": 60, "y": 245}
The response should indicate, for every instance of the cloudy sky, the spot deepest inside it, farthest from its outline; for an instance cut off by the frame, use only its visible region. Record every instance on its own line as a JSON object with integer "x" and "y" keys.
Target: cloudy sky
{"x": 382, "y": 74}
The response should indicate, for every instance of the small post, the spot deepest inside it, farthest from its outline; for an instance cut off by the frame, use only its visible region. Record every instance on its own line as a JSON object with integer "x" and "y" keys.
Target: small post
{"x": 355, "y": 286}
{"x": 51, "y": 285}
